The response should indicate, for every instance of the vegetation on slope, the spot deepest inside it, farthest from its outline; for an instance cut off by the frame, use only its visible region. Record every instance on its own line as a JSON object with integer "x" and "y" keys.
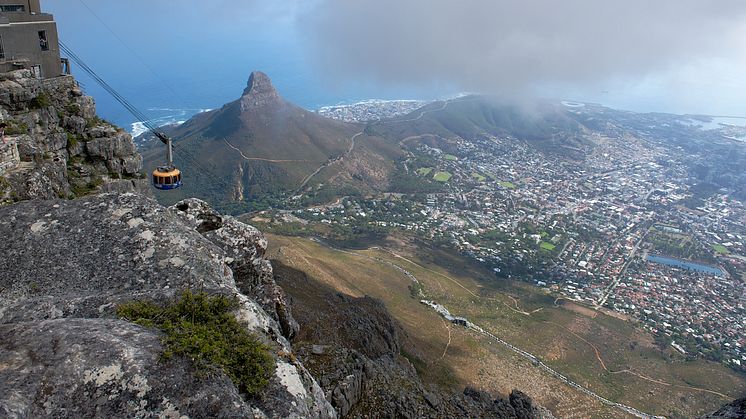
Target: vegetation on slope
{"x": 204, "y": 329}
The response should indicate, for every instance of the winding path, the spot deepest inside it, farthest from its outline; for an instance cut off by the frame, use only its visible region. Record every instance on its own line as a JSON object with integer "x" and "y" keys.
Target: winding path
{"x": 328, "y": 163}
{"x": 259, "y": 158}
{"x": 352, "y": 144}
{"x": 535, "y": 360}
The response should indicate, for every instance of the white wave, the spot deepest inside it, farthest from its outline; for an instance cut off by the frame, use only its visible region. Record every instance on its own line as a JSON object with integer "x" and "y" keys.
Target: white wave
{"x": 137, "y": 129}
{"x": 175, "y": 117}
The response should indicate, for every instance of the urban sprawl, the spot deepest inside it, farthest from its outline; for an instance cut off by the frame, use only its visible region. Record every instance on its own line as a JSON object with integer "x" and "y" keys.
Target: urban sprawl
{"x": 622, "y": 231}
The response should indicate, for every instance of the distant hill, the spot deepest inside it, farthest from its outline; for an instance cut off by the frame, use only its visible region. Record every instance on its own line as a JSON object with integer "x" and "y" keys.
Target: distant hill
{"x": 548, "y": 126}
{"x": 261, "y": 145}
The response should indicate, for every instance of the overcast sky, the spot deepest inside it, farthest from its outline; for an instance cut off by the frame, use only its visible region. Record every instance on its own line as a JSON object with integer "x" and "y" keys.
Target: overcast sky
{"x": 683, "y": 56}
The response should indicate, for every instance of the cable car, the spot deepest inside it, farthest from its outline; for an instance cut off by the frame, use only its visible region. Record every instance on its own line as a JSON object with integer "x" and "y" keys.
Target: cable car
{"x": 166, "y": 177}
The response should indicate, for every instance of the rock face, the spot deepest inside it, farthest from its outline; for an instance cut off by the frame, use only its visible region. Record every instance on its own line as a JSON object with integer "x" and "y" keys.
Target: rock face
{"x": 245, "y": 247}
{"x": 733, "y": 410}
{"x": 65, "y": 267}
{"x": 259, "y": 92}
{"x": 64, "y": 148}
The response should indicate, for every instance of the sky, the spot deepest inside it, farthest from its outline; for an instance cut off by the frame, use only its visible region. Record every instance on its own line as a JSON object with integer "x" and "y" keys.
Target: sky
{"x": 679, "y": 56}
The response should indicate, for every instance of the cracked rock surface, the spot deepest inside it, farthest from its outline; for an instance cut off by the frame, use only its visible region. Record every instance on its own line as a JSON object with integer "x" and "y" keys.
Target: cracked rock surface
{"x": 65, "y": 267}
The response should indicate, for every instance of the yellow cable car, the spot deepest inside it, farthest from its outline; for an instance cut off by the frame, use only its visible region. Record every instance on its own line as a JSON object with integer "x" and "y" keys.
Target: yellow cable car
{"x": 166, "y": 177}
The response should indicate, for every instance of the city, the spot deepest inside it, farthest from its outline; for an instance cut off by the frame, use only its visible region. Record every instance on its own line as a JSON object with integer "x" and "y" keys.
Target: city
{"x": 604, "y": 232}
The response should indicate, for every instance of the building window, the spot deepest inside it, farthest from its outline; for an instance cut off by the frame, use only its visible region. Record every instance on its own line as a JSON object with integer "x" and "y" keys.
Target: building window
{"x": 13, "y": 8}
{"x": 2, "y": 50}
{"x": 43, "y": 43}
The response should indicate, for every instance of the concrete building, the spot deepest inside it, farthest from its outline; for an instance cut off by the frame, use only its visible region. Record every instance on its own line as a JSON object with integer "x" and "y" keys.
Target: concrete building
{"x": 28, "y": 39}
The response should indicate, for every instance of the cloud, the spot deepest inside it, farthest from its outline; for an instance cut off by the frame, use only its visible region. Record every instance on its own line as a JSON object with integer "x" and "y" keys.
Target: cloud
{"x": 497, "y": 46}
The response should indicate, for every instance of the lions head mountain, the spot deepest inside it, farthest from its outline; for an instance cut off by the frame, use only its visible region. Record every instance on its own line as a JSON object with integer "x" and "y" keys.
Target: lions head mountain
{"x": 261, "y": 144}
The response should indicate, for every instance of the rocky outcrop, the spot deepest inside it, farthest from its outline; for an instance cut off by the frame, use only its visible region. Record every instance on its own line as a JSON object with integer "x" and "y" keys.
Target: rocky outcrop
{"x": 259, "y": 92}
{"x": 65, "y": 267}
{"x": 245, "y": 247}
{"x": 732, "y": 410}
{"x": 65, "y": 150}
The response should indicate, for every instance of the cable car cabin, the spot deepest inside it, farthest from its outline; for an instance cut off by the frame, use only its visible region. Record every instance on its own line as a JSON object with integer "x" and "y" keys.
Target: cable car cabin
{"x": 166, "y": 178}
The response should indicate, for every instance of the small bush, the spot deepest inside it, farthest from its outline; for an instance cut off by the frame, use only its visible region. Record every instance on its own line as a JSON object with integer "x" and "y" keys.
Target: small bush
{"x": 415, "y": 290}
{"x": 16, "y": 128}
{"x": 93, "y": 122}
{"x": 72, "y": 108}
{"x": 203, "y": 329}
{"x": 80, "y": 189}
{"x": 72, "y": 140}
{"x": 40, "y": 101}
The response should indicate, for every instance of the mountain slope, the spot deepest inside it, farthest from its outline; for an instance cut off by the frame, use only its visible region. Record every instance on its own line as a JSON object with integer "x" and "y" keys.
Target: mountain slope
{"x": 547, "y": 126}
{"x": 257, "y": 145}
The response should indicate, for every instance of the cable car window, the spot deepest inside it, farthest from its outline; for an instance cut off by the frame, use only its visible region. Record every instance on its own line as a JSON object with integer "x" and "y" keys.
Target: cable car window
{"x": 168, "y": 180}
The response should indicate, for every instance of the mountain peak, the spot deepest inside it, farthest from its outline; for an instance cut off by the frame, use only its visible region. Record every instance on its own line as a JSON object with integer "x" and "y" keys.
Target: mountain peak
{"x": 259, "y": 92}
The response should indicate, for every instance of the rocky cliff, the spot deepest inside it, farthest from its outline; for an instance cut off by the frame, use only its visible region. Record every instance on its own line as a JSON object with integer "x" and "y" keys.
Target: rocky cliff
{"x": 66, "y": 266}
{"x": 733, "y": 410}
{"x": 64, "y": 149}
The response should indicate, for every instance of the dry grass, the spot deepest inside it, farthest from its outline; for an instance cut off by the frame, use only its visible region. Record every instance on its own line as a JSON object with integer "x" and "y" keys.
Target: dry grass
{"x": 571, "y": 339}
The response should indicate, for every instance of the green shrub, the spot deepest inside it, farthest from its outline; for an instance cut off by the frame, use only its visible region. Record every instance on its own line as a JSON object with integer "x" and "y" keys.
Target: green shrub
{"x": 415, "y": 290}
{"x": 72, "y": 108}
{"x": 40, "y": 101}
{"x": 94, "y": 122}
{"x": 72, "y": 140}
{"x": 16, "y": 128}
{"x": 202, "y": 328}
{"x": 80, "y": 189}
